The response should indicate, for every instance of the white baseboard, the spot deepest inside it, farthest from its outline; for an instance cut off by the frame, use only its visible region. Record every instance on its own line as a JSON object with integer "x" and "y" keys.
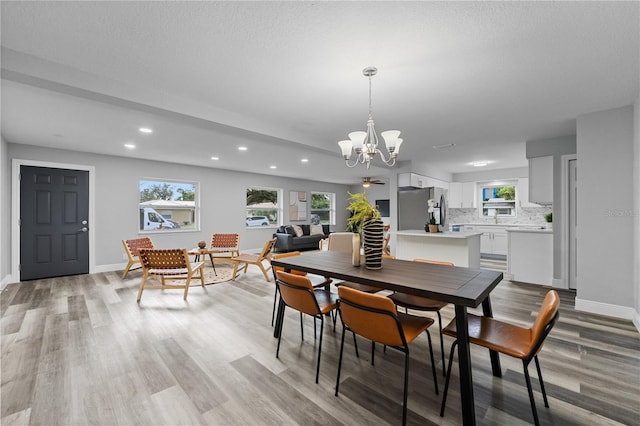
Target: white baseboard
{"x": 615, "y": 311}
{"x": 109, "y": 268}
{"x": 6, "y": 281}
{"x": 558, "y": 283}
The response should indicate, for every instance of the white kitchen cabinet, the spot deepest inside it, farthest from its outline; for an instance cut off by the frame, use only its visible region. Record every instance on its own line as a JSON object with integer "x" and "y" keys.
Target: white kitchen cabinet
{"x": 412, "y": 179}
{"x": 530, "y": 258}
{"x": 523, "y": 193}
{"x": 541, "y": 180}
{"x": 462, "y": 195}
{"x": 493, "y": 240}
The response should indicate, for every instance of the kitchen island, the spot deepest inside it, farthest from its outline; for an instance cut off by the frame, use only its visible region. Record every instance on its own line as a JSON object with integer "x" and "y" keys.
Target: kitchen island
{"x": 530, "y": 257}
{"x": 461, "y": 248}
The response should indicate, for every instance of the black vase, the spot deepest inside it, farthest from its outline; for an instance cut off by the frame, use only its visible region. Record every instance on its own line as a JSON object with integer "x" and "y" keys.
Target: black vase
{"x": 373, "y": 236}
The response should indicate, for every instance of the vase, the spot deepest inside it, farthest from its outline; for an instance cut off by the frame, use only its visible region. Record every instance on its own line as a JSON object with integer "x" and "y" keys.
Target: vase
{"x": 373, "y": 236}
{"x": 433, "y": 228}
{"x": 355, "y": 254}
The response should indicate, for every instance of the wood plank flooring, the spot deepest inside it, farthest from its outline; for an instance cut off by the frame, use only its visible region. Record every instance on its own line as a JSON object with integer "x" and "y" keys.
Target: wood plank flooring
{"x": 80, "y": 350}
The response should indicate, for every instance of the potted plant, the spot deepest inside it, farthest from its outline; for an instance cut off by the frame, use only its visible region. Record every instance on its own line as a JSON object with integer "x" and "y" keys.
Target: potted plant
{"x": 365, "y": 219}
{"x": 549, "y": 219}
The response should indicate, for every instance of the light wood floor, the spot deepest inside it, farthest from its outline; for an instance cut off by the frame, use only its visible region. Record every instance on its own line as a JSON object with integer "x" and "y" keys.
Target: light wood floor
{"x": 80, "y": 350}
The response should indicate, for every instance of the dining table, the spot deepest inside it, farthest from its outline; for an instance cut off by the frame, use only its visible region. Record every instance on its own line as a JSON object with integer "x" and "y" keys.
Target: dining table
{"x": 463, "y": 287}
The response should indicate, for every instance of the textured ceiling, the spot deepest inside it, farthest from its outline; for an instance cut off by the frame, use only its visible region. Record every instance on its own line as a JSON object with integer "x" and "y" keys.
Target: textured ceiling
{"x": 285, "y": 78}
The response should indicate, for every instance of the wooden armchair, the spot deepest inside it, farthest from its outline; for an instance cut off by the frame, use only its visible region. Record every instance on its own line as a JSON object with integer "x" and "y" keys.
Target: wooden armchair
{"x": 172, "y": 263}
{"x": 131, "y": 247}
{"x": 225, "y": 246}
{"x": 255, "y": 259}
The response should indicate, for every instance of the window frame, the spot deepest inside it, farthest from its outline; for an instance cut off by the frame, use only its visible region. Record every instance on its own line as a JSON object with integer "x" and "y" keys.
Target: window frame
{"x": 151, "y": 209}
{"x": 278, "y": 208}
{"x": 331, "y": 209}
{"x": 492, "y": 185}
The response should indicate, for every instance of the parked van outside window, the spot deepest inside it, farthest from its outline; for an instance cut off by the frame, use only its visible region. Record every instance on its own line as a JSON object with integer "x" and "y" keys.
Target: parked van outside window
{"x": 151, "y": 220}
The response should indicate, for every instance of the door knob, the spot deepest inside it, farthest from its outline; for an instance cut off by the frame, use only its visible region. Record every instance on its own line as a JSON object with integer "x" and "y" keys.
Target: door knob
{"x": 83, "y": 229}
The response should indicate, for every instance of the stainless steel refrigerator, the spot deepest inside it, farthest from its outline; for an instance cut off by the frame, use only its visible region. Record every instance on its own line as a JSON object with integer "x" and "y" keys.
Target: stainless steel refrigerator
{"x": 413, "y": 208}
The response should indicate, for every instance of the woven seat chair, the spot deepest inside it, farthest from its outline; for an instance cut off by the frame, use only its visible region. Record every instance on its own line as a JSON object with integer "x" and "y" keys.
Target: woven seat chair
{"x": 255, "y": 259}
{"x": 297, "y": 292}
{"x": 172, "y": 263}
{"x": 418, "y": 303}
{"x": 225, "y": 246}
{"x": 131, "y": 248}
{"x": 375, "y": 317}
{"x": 513, "y": 340}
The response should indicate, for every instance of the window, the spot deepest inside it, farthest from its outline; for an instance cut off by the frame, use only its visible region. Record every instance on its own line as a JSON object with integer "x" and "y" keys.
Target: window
{"x": 498, "y": 200}
{"x": 169, "y": 206}
{"x": 323, "y": 208}
{"x": 263, "y": 208}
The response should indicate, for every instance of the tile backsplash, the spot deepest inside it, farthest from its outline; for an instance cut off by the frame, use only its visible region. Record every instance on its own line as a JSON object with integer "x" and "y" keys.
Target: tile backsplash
{"x": 524, "y": 216}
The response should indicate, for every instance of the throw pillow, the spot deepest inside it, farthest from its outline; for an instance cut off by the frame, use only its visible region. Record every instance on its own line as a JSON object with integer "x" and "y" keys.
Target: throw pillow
{"x": 316, "y": 230}
{"x": 297, "y": 230}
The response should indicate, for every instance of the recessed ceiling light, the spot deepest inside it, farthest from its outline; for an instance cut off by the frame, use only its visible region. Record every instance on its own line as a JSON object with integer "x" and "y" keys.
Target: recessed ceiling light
{"x": 444, "y": 146}
{"x": 215, "y": 158}
{"x": 145, "y": 130}
{"x": 272, "y": 167}
{"x": 479, "y": 163}
{"x": 305, "y": 160}
{"x": 129, "y": 145}
{"x": 242, "y": 148}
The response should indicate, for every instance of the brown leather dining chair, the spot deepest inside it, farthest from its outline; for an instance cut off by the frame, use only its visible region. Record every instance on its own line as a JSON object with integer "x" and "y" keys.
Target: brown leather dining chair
{"x": 513, "y": 340}
{"x": 297, "y": 292}
{"x": 316, "y": 280}
{"x": 425, "y": 304}
{"x": 375, "y": 317}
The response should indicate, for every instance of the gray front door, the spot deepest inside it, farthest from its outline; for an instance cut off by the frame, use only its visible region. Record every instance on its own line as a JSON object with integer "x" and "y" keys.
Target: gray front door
{"x": 54, "y": 213}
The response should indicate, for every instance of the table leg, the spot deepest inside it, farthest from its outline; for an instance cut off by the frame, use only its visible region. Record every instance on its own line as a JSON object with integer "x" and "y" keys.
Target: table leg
{"x": 495, "y": 356}
{"x": 464, "y": 364}
{"x": 214, "y": 266}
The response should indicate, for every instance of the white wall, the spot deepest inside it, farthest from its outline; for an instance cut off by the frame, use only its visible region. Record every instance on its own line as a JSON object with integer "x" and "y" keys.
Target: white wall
{"x": 636, "y": 208}
{"x": 222, "y": 195}
{"x": 5, "y": 214}
{"x": 605, "y": 221}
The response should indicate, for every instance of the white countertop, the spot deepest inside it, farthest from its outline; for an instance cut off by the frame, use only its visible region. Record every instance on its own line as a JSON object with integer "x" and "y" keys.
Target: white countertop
{"x": 446, "y": 234}
{"x": 504, "y": 225}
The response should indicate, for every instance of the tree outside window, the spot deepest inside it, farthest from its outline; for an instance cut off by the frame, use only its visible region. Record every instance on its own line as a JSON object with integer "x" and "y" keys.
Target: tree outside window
{"x": 323, "y": 208}
{"x": 263, "y": 207}
{"x": 167, "y": 206}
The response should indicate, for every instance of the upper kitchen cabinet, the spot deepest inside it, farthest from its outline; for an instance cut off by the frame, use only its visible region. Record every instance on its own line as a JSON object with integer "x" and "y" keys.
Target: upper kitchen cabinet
{"x": 523, "y": 194}
{"x": 414, "y": 180}
{"x": 541, "y": 180}
{"x": 462, "y": 195}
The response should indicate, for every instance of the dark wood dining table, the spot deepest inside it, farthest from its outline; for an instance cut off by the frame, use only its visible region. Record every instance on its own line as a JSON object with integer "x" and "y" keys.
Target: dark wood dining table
{"x": 463, "y": 287}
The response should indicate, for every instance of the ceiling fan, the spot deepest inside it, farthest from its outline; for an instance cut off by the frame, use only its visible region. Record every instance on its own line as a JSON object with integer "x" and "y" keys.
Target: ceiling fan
{"x": 367, "y": 182}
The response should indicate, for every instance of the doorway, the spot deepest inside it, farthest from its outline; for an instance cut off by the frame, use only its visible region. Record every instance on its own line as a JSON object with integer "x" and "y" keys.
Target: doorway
{"x": 573, "y": 222}
{"x": 54, "y": 222}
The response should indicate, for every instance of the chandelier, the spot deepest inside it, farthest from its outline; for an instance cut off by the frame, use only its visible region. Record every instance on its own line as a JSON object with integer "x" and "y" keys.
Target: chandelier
{"x": 365, "y": 144}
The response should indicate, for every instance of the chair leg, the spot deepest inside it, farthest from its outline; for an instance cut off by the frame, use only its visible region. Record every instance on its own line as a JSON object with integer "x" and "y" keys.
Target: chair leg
{"x": 235, "y": 270}
{"x": 344, "y": 328}
{"x": 530, "y": 389}
{"x": 319, "y": 347}
{"x": 280, "y": 331}
{"x": 186, "y": 287}
{"x": 373, "y": 351}
{"x": 433, "y": 363}
{"x": 301, "y": 328}
{"x": 264, "y": 272}
{"x": 406, "y": 386}
{"x": 446, "y": 382}
{"x": 444, "y": 371}
{"x": 144, "y": 279}
{"x": 355, "y": 344}
{"x": 275, "y": 297}
{"x": 544, "y": 393}
{"x": 202, "y": 276}
{"x": 126, "y": 269}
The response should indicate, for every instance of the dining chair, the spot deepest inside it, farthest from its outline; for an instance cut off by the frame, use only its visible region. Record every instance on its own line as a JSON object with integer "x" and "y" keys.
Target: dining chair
{"x": 385, "y": 245}
{"x": 375, "y": 317}
{"x": 512, "y": 340}
{"x": 418, "y": 303}
{"x": 297, "y": 292}
{"x": 343, "y": 242}
{"x": 131, "y": 248}
{"x": 255, "y": 259}
{"x": 171, "y": 263}
{"x": 316, "y": 280}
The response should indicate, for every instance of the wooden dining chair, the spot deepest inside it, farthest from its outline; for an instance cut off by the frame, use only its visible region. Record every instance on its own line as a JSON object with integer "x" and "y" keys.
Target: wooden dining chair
{"x": 385, "y": 245}
{"x": 316, "y": 280}
{"x": 131, "y": 248}
{"x": 418, "y": 303}
{"x": 171, "y": 263}
{"x": 297, "y": 292}
{"x": 513, "y": 340}
{"x": 375, "y": 317}
{"x": 255, "y": 259}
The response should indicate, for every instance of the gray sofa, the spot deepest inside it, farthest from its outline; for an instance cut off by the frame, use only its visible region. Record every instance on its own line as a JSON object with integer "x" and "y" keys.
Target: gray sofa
{"x": 288, "y": 241}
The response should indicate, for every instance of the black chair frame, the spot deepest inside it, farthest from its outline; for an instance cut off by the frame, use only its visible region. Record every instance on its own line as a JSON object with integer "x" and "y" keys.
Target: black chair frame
{"x": 525, "y": 363}
{"x": 404, "y": 348}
